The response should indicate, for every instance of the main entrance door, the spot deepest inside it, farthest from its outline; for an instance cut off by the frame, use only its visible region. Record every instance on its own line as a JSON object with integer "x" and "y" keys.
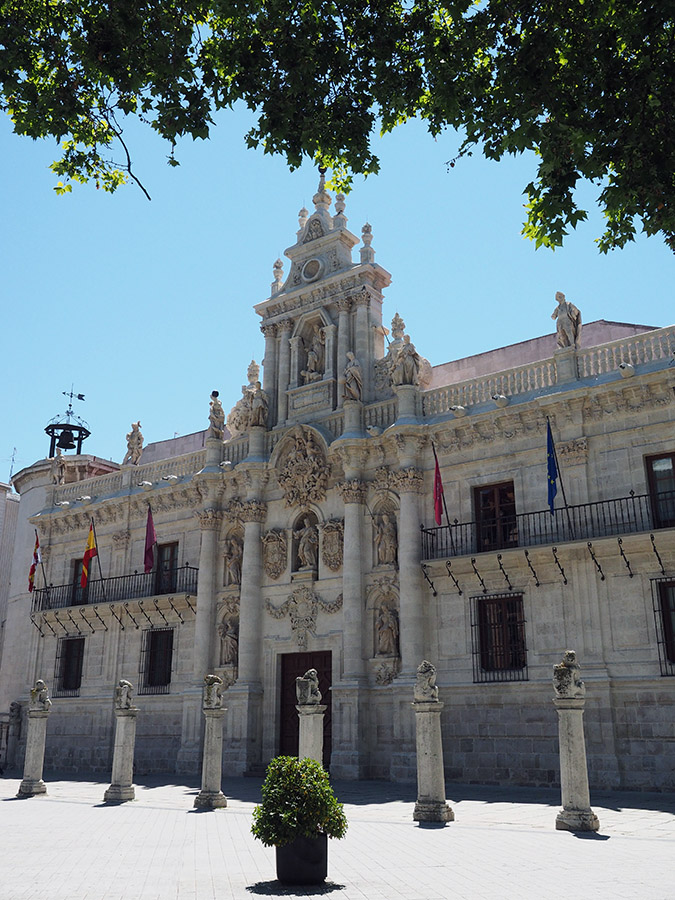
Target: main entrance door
{"x": 294, "y": 665}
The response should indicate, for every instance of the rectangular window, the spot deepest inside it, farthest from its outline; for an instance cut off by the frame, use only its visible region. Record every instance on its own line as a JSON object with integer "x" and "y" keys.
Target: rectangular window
{"x": 661, "y": 476}
{"x": 496, "y": 523}
{"x": 68, "y": 669}
{"x": 498, "y": 638}
{"x": 165, "y": 574}
{"x": 156, "y": 659}
{"x": 663, "y": 595}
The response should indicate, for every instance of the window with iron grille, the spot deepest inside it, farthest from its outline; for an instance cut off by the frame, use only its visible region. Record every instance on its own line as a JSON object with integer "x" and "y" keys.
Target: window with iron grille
{"x": 156, "y": 658}
{"x": 663, "y": 599}
{"x": 498, "y": 638}
{"x": 496, "y": 523}
{"x": 68, "y": 668}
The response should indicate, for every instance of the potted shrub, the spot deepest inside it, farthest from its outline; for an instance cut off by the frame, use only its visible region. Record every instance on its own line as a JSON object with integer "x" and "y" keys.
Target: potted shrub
{"x": 298, "y": 813}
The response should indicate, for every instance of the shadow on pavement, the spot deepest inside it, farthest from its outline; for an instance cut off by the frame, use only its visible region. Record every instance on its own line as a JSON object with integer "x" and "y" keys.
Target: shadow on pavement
{"x": 276, "y": 889}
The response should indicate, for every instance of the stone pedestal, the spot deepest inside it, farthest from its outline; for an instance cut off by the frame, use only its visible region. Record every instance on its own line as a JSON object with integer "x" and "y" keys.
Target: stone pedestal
{"x": 256, "y": 443}
{"x": 214, "y": 452}
{"x": 431, "y": 805}
{"x": 407, "y": 402}
{"x": 121, "y": 787}
{"x": 310, "y": 744}
{"x": 211, "y": 796}
{"x": 576, "y": 814}
{"x": 32, "y": 783}
{"x": 566, "y": 365}
{"x": 353, "y": 415}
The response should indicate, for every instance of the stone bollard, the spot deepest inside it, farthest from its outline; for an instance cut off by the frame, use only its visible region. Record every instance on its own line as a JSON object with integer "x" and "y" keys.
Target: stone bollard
{"x": 310, "y": 711}
{"x": 211, "y": 796}
{"x": 431, "y": 805}
{"x": 38, "y": 713}
{"x": 570, "y": 692}
{"x": 121, "y": 787}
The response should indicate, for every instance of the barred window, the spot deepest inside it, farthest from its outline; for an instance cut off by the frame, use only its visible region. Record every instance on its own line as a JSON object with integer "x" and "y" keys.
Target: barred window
{"x": 498, "y": 638}
{"x": 663, "y": 598}
{"x": 156, "y": 659}
{"x": 68, "y": 668}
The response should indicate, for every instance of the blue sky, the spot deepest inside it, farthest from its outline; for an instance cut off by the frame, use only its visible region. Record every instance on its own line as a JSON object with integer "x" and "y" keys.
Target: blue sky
{"x": 147, "y": 306}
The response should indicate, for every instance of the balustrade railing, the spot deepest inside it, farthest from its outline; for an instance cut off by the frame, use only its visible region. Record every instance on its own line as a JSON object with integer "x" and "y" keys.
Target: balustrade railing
{"x": 181, "y": 580}
{"x": 603, "y": 518}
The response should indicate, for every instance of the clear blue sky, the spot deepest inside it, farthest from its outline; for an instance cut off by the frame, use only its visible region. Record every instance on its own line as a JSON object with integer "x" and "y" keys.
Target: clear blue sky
{"x": 147, "y": 306}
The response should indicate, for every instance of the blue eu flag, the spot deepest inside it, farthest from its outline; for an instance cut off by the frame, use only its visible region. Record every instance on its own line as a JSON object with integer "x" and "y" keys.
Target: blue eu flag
{"x": 552, "y": 468}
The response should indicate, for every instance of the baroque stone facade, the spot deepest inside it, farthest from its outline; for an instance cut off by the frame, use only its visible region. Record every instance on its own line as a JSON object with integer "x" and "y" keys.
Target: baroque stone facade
{"x": 304, "y": 537}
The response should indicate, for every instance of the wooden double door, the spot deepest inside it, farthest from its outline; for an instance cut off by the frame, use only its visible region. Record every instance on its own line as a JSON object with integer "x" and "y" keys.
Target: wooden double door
{"x": 294, "y": 665}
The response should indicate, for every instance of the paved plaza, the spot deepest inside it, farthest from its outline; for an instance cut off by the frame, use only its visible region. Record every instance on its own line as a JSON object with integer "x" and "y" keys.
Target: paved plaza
{"x": 70, "y": 846}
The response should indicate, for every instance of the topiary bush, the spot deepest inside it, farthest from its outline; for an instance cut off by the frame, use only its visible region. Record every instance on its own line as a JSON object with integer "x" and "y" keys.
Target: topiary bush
{"x": 297, "y": 801}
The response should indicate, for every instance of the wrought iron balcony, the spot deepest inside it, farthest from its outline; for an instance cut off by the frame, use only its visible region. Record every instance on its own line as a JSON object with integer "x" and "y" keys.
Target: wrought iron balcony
{"x": 181, "y": 580}
{"x": 604, "y": 518}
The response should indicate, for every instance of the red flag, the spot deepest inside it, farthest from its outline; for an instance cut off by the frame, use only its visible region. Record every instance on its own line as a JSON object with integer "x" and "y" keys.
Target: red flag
{"x": 90, "y": 552}
{"x": 37, "y": 559}
{"x": 150, "y": 541}
{"x": 438, "y": 493}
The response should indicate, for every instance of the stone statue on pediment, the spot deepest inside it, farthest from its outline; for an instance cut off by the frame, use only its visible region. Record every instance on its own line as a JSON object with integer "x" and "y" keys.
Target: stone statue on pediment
{"x": 308, "y": 544}
{"x": 216, "y": 418}
{"x": 124, "y": 695}
{"x": 57, "y": 469}
{"x": 134, "y": 445}
{"x": 314, "y": 365}
{"x": 387, "y": 630}
{"x": 407, "y": 364}
{"x": 234, "y": 553}
{"x": 425, "y": 690}
{"x": 353, "y": 386}
{"x": 568, "y": 324}
{"x": 386, "y": 540}
{"x": 39, "y": 697}
{"x": 307, "y": 689}
{"x": 259, "y": 407}
{"x": 229, "y": 641}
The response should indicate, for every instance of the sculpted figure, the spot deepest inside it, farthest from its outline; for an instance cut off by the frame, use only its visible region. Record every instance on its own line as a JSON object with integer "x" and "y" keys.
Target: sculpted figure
{"x": 407, "y": 365}
{"x": 134, "y": 445}
{"x": 39, "y": 697}
{"x": 568, "y": 325}
{"x": 212, "y": 692}
{"x": 58, "y": 468}
{"x": 566, "y": 677}
{"x": 259, "y": 407}
{"x": 233, "y": 556}
{"x": 314, "y": 368}
{"x": 385, "y": 540}
{"x": 353, "y": 387}
{"x": 14, "y": 711}
{"x": 216, "y": 418}
{"x": 123, "y": 695}
{"x": 308, "y": 544}
{"x": 425, "y": 688}
{"x": 387, "y": 632}
{"x": 307, "y": 688}
{"x": 229, "y": 643}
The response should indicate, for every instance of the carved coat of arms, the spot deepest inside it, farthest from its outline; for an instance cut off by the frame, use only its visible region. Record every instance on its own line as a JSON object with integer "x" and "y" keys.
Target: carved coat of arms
{"x": 332, "y": 550}
{"x": 275, "y": 553}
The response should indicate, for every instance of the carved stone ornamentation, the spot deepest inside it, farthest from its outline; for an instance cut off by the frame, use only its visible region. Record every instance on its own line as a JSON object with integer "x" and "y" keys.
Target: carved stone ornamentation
{"x": 228, "y": 632}
{"x": 124, "y": 695}
{"x": 353, "y": 491}
{"x": 216, "y": 418}
{"x": 333, "y": 544}
{"x": 568, "y": 324}
{"x": 120, "y": 538}
{"x": 408, "y": 480}
{"x": 253, "y": 511}
{"x": 307, "y": 689}
{"x": 425, "y": 687}
{"x": 209, "y": 519}
{"x": 39, "y": 697}
{"x": 387, "y": 671}
{"x": 303, "y": 471}
{"x": 134, "y": 445}
{"x": 212, "y": 692}
{"x": 574, "y": 453}
{"x": 234, "y": 552}
{"x": 275, "y": 553}
{"x": 566, "y": 678}
{"x": 387, "y": 631}
{"x": 302, "y": 607}
{"x": 386, "y": 540}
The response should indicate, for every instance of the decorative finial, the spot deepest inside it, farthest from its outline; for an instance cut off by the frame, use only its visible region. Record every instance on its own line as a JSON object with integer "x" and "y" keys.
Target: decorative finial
{"x": 278, "y": 269}
{"x": 252, "y": 372}
{"x": 340, "y": 219}
{"x": 397, "y": 327}
{"x": 302, "y": 217}
{"x": 367, "y": 253}
{"x": 322, "y": 198}
{"x": 340, "y": 204}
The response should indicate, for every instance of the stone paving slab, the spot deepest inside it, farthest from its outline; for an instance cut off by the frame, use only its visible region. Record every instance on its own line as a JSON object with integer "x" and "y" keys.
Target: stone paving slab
{"x": 68, "y": 845}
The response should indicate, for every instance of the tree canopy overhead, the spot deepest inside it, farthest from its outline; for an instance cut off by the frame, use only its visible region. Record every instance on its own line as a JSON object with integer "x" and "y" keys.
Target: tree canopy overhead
{"x": 585, "y": 84}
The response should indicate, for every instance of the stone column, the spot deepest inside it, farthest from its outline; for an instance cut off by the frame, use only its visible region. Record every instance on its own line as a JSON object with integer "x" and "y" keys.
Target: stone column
{"x": 362, "y": 339}
{"x": 353, "y": 493}
{"x": 205, "y": 625}
{"x": 431, "y": 805}
{"x": 311, "y": 712}
{"x": 270, "y": 369}
{"x": 569, "y": 700}
{"x": 343, "y": 343}
{"x": 409, "y": 483}
{"x": 295, "y": 360}
{"x": 211, "y": 796}
{"x": 36, "y": 735}
{"x": 284, "y": 372}
{"x": 329, "y": 368}
{"x": 121, "y": 786}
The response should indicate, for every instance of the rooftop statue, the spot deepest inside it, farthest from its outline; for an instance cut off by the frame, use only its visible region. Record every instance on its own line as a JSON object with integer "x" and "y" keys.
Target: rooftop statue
{"x": 568, "y": 325}
{"x": 134, "y": 445}
{"x": 216, "y": 418}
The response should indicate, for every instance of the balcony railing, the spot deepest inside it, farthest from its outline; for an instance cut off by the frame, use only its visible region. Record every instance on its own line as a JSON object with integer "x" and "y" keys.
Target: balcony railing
{"x": 604, "y": 518}
{"x": 182, "y": 580}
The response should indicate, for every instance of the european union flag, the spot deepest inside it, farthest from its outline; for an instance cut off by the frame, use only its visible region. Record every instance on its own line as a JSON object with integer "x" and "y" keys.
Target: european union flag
{"x": 552, "y": 468}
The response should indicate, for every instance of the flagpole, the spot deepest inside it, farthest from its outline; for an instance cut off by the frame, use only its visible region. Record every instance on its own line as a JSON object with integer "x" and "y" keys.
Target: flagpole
{"x": 445, "y": 505}
{"x": 98, "y": 557}
{"x": 562, "y": 483}
{"x": 42, "y": 567}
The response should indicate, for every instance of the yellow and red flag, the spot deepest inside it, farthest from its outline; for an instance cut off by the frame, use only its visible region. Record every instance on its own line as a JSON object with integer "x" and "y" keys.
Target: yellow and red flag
{"x": 37, "y": 559}
{"x": 90, "y": 552}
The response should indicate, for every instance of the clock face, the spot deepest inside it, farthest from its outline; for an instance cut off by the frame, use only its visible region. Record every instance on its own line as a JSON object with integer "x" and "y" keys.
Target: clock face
{"x": 312, "y": 270}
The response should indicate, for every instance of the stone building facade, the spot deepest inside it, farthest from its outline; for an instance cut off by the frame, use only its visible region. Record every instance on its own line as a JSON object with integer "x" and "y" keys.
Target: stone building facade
{"x": 303, "y": 536}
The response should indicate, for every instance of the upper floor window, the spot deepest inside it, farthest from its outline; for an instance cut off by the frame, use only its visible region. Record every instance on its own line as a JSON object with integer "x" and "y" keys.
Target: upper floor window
{"x": 68, "y": 669}
{"x": 496, "y": 523}
{"x": 661, "y": 476}
{"x": 498, "y": 637}
{"x": 165, "y": 573}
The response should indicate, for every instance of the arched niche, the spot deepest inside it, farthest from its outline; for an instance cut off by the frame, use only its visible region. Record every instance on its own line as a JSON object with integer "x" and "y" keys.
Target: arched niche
{"x": 233, "y": 552}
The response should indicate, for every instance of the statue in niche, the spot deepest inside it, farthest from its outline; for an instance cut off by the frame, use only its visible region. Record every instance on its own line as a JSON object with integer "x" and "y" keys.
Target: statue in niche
{"x": 314, "y": 366}
{"x": 353, "y": 386}
{"x": 567, "y": 678}
{"x": 425, "y": 690}
{"x": 229, "y": 642}
{"x": 274, "y": 553}
{"x": 57, "y": 469}
{"x": 387, "y": 631}
{"x": 216, "y": 418}
{"x": 234, "y": 553}
{"x": 307, "y": 689}
{"x": 259, "y": 407}
{"x": 39, "y": 697}
{"x": 568, "y": 324}
{"x": 386, "y": 542}
{"x": 134, "y": 445}
{"x": 308, "y": 544}
{"x": 212, "y": 692}
{"x": 407, "y": 364}
{"x": 124, "y": 695}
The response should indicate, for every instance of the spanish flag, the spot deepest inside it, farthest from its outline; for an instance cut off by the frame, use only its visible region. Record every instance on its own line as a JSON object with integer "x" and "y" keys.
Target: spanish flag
{"x": 90, "y": 552}
{"x": 37, "y": 559}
